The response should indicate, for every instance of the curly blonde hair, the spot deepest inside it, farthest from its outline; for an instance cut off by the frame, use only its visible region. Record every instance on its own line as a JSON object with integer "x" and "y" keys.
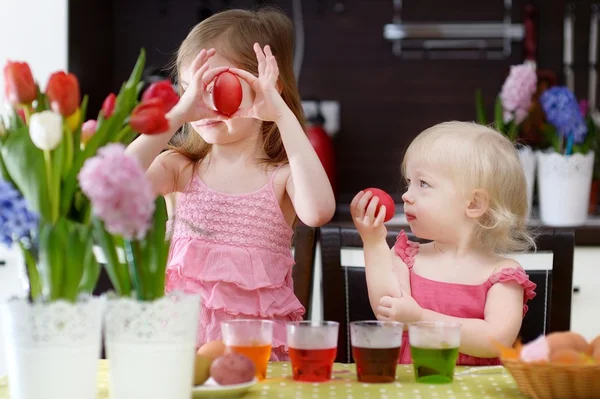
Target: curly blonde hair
{"x": 479, "y": 157}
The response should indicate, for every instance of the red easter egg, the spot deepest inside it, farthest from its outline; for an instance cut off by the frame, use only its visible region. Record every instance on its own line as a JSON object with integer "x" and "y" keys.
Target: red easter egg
{"x": 384, "y": 199}
{"x": 227, "y": 93}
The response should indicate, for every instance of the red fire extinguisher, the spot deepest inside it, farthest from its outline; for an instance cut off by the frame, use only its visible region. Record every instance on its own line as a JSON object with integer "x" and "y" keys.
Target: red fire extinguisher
{"x": 322, "y": 144}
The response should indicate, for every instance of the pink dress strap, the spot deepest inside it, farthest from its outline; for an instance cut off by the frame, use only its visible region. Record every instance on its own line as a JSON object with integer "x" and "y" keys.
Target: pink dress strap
{"x": 406, "y": 249}
{"x": 519, "y": 275}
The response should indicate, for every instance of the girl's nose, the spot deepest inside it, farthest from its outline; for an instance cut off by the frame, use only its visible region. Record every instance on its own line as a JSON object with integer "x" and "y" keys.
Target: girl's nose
{"x": 408, "y": 197}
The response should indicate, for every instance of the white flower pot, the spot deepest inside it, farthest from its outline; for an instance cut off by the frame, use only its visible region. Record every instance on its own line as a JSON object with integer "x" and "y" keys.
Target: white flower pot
{"x": 151, "y": 346}
{"x": 564, "y": 188}
{"x": 52, "y": 349}
{"x": 528, "y": 161}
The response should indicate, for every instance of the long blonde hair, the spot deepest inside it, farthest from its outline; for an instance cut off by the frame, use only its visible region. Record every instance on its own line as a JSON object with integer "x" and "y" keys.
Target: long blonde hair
{"x": 479, "y": 157}
{"x": 233, "y": 33}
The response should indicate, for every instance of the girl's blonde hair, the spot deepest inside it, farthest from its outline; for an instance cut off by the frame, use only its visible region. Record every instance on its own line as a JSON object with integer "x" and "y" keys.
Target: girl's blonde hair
{"x": 233, "y": 33}
{"x": 479, "y": 157}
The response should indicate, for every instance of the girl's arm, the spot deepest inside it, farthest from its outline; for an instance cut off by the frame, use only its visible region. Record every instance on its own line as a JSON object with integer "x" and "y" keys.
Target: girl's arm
{"x": 382, "y": 268}
{"x": 503, "y": 318}
{"x": 307, "y": 185}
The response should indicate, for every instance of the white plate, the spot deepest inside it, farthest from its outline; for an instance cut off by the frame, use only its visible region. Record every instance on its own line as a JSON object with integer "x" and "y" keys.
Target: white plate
{"x": 210, "y": 389}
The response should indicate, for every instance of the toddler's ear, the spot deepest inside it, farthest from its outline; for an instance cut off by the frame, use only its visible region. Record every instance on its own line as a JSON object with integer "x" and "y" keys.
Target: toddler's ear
{"x": 480, "y": 201}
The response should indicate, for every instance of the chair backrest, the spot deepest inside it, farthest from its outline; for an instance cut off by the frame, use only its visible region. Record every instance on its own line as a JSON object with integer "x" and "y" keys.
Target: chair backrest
{"x": 345, "y": 295}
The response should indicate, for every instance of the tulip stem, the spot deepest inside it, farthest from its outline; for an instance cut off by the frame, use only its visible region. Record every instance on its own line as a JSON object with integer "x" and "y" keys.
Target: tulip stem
{"x": 52, "y": 187}
{"x": 27, "y": 113}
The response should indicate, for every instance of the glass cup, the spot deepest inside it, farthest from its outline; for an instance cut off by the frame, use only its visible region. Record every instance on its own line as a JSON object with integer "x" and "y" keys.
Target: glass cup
{"x": 376, "y": 349}
{"x": 252, "y": 338}
{"x": 434, "y": 350}
{"x": 312, "y": 347}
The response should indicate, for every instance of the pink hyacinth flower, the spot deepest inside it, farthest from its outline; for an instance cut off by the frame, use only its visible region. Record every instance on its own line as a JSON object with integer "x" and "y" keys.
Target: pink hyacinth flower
{"x": 120, "y": 194}
{"x": 517, "y": 91}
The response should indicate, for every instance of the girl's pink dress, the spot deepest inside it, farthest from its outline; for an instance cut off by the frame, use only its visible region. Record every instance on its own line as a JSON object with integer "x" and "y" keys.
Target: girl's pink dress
{"x": 458, "y": 300}
{"x": 235, "y": 250}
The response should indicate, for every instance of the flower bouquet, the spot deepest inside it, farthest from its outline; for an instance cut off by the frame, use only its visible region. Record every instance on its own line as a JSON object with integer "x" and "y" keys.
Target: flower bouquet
{"x": 148, "y": 335}
{"x": 566, "y": 167}
{"x": 53, "y": 337}
{"x": 510, "y": 111}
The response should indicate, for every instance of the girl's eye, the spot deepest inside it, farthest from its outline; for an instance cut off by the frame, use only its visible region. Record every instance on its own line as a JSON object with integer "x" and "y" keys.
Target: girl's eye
{"x": 424, "y": 184}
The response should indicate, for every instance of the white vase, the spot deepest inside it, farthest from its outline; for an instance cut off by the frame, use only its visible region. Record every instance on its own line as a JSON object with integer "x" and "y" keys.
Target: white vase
{"x": 151, "y": 346}
{"x": 564, "y": 188}
{"x": 52, "y": 349}
{"x": 528, "y": 162}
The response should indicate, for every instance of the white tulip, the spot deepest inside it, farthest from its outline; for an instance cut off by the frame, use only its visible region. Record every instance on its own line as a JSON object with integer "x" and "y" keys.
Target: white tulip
{"x": 46, "y": 130}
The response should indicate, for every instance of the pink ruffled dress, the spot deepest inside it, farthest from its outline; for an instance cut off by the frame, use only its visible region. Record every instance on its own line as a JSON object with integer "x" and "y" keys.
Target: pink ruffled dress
{"x": 457, "y": 300}
{"x": 235, "y": 250}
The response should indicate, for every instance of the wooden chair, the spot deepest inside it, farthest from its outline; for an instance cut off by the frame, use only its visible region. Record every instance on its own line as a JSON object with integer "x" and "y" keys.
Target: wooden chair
{"x": 345, "y": 296}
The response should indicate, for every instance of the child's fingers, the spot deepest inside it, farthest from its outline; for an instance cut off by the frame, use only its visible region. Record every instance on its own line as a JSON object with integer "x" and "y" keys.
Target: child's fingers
{"x": 386, "y": 301}
{"x": 201, "y": 59}
{"x": 247, "y": 76}
{"x": 209, "y": 75}
{"x": 372, "y": 207}
{"x": 383, "y": 311}
{"x": 380, "y": 216}
{"x": 260, "y": 57}
{"x": 355, "y": 200}
{"x": 361, "y": 205}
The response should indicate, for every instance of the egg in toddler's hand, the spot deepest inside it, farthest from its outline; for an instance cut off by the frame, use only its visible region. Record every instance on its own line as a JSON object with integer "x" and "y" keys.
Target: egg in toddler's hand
{"x": 384, "y": 199}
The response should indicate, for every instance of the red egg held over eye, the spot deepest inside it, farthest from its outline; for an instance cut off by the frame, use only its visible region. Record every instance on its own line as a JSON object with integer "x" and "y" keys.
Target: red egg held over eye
{"x": 227, "y": 93}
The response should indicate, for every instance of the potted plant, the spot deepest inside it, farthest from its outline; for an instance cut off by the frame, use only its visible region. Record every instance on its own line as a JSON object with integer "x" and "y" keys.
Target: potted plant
{"x": 565, "y": 168}
{"x": 510, "y": 111}
{"x": 150, "y": 337}
{"x": 53, "y": 336}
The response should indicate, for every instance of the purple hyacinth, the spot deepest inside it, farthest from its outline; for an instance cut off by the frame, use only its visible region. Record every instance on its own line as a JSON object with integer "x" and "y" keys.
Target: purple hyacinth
{"x": 17, "y": 222}
{"x": 562, "y": 111}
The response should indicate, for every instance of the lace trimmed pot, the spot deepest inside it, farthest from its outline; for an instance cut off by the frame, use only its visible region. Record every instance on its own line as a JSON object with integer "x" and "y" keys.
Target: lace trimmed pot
{"x": 564, "y": 184}
{"x": 52, "y": 349}
{"x": 151, "y": 346}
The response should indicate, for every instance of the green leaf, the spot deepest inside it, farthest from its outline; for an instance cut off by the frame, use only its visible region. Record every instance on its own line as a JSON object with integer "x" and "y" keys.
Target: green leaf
{"x": 53, "y": 245}
{"x": 35, "y": 285}
{"x": 480, "y": 108}
{"x": 41, "y": 104}
{"x": 117, "y": 273}
{"x": 78, "y": 240}
{"x": 133, "y": 255}
{"x": 513, "y": 130}
{"x": 25, "y": 165}
{"x": 552, "y": 137}
{"x": 498, "y": 115}
{"x": 90, "y": 267}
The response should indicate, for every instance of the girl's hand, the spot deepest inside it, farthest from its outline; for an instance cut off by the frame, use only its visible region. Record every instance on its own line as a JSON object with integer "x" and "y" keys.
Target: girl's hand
{"x": 404, "y": 309}
{"x": 192, "y": 105}
{"x": 268, "y": 105}
{"x": 369, "y": 226}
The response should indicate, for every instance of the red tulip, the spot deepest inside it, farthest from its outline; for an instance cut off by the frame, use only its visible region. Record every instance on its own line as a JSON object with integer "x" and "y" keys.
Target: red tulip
{"x": 108, "y": 106}
{"x": 164, "y": 91}
{"x": 63, "y": 93}
{"x": 19, "y": 86}
{"x": 149, "y": 117}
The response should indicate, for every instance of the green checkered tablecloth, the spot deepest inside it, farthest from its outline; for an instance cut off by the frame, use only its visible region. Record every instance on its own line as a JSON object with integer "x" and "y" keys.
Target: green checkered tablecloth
{"x": 279, "y": 384}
